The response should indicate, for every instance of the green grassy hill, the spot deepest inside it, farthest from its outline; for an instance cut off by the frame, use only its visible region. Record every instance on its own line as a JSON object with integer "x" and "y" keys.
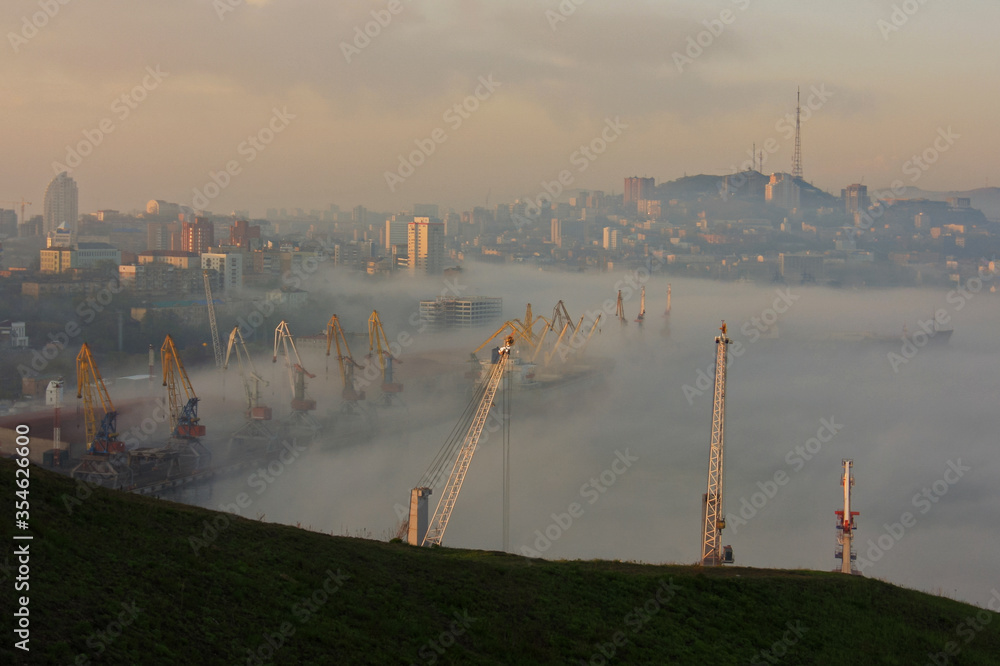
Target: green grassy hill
{"x": 117, "y": 579}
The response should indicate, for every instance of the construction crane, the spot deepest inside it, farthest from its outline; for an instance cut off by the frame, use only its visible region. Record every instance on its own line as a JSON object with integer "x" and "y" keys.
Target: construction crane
{"x": 378, "y": 346}
{"x": 667, "y": 313}
{"x": 620, "y": 309}
{"x": 183, "y": 417}
{"x": 642, "y": 307}
{"x": 216, "y": 344}
{"x": 22, "y": 203}
{"x": 446, "y": 505}
{"x": 845, "y": 523}
{"x": 713, "y": 517}
{"x": 335, "y": 336}
{"x": 102, "y": 438}
{"x": 255, "y": 429}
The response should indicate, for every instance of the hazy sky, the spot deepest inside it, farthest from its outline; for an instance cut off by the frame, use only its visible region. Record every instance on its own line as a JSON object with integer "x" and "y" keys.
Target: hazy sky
{"x": 559, "y": 76}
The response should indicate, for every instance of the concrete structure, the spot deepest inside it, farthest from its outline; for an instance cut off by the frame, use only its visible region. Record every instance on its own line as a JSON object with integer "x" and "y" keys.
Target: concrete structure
{"x": 556, "y": 233}
{"x": 800, "y": 267}
{"x": 855, "y": 198}
{"x": 443, "y": 313}
{"x": 8, "y": 223}
{"x": 783, "y": 192}
{"x": 610, "y": 238}
{"x": 637, "y": 189}
{"x": 417, "y": 524}
{"x": 177, "y": 258}
{"x": 197, "y": 236}
{"x": 83, "y": 255}
{"x": 425, "y": 246}
{"x": 16, "y": 334}
{"x": 61, "y": 197}
{"x": 229, "y": 266}
{"x": 62, "y": 236}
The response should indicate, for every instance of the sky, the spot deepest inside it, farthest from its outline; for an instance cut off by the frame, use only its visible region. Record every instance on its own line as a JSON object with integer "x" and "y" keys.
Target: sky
{"x": 251, "y": 104}
{"x": 797, "y": 404}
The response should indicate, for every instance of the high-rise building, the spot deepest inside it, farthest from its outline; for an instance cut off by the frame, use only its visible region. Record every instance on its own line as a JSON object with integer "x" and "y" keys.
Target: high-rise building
{"x": 8, "y": 223}
{"x": 396, "y": 232}
{"x": 425, "y": 246}
{"x": 783, "y": 192}
{"x": 556, "y": 232}
{"x": 638, "y": 188}
{"x": 61, "y": 200}
{"x": 197, "y": 236}
{"x": 610, "y": 238}
{"x": 229, "y": 266}
{"x": 244, "y": 236}
{"x": 855, "y": 198}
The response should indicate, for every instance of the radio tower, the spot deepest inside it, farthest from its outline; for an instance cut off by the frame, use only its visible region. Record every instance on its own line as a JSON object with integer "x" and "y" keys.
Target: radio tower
{"x": 845, "y": 523}
{"x": 797, "y": 156}
{"x": 713, "y": 518}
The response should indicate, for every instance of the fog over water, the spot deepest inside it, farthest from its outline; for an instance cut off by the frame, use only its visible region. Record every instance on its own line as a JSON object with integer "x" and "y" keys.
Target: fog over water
{"x": 905, "y": 427}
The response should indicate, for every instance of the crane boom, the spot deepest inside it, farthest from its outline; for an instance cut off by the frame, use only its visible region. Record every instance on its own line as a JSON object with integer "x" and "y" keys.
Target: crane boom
{"x": 378, "y": 345}
{"x": 216, "y": 344}
{"x": 90, "y": 387}
{"x": 183, "y": 418}
{"x": 714, "y": 519}
{"x": 335, "y": 335}
{"x": 248, "y": 373}
{"x": 442, "y": 514}
{"x": 296, "y": 372}
{"x": 620, "y": 309}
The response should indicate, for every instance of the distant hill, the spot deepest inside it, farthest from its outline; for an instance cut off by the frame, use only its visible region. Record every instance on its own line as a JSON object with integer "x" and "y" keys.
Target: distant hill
{"x": 704, "y": 186}
{"x": 122, "y": 579}
{"x": 986, "y": 199}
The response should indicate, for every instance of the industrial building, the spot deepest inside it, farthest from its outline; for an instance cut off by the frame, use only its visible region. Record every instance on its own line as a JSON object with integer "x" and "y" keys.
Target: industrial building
{"x": 445, "y": 313}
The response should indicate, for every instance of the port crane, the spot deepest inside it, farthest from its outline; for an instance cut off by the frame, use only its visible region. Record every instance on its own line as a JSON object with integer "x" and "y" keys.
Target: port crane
{"x": 256, "y": 428}
{"x": 642, "y": 306}
{"x": 184, "y": 421}
{"x": 620, "y": 309}
{"x": 335, "y": 336}
{"x": 103, "y": 461}
{"x": 476, "y": 421}
{"x": 301, "y": 405}
{"x": 378, "y": 347}
{"x": 713, "y": 516}
{"x": 845, "y": 524}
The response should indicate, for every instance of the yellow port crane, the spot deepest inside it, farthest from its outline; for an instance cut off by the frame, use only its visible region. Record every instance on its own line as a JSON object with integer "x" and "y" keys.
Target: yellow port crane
{"x": 248, "y": 373}
{"x": 378, "y": 347}
{"x": 102, "y": 439}
{"x": 335, "y": 336}
{"x": 713, "y": 553}
{"x": 183, "y": 417}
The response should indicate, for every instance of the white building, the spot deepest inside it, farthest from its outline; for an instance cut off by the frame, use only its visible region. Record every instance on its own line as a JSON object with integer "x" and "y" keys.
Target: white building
{"x": 610, "y": 238}
{"x": 783, "y": 192}
{"x": 229, "y": 267}
{"x": 425, "y": 246}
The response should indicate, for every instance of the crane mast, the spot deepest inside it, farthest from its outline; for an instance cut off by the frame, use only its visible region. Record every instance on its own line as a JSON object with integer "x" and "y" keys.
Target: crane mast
{"x": 216, "y": 344}
{"x": 335, "y": 336}
{"x": 845, "y": 523}
{"x": 378, "y": 346}
{"x": 296, "y": 372}
{"x": 183, "y": 417}
{"x": 712, "y": 551}
{"x": 620, "y": 309}
{"x": 442, "y": 514}
{"x": 248, "y": 373}
{"x": 101, "y": 438}
{"x": 642, "y": 306}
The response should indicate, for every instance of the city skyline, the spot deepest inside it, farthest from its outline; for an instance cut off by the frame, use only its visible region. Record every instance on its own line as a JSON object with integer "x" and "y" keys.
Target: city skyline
{"x": 462, "y": 102}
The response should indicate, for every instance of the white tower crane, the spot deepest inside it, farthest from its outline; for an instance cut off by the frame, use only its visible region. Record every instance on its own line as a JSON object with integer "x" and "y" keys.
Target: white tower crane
{"x": 713, "y": 518}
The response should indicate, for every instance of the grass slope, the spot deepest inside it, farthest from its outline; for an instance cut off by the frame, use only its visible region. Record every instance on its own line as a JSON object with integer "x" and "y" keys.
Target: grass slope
{"x": 117, "y": 580}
